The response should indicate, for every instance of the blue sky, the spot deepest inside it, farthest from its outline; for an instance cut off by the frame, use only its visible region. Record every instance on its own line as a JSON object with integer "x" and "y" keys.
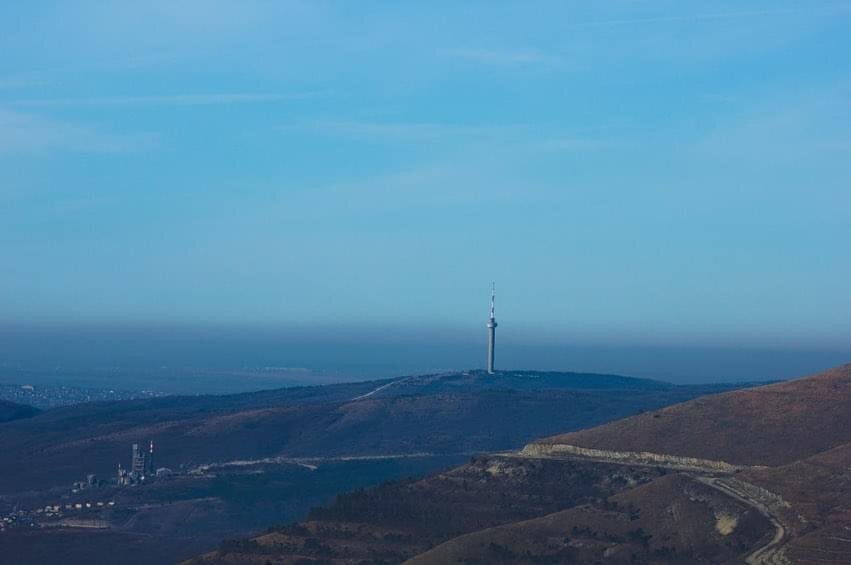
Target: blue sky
{"x": 630, "y": 171}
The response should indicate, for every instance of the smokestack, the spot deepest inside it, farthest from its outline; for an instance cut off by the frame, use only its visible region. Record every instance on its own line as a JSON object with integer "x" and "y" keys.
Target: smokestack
{"x": 149, "y": 461}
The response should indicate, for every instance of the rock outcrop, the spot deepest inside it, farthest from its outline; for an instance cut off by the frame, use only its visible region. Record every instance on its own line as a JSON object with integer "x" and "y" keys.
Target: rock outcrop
{"x": 630, "y": 457}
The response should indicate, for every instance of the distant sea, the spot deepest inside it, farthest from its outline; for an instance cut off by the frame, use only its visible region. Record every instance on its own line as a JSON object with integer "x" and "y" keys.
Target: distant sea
{"x": 207, "y": 361}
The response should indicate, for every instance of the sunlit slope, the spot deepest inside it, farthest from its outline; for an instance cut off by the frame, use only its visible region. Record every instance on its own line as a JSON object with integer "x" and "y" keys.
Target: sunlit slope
{"x": 818, "y": 490}
{"x": 769, "y": 425}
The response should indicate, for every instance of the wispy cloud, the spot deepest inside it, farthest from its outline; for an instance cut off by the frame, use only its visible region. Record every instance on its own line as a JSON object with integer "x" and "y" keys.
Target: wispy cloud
{"x": 506, "y": 135}
{"x": 784, "y": 130}
{"x": 165, "y": 100}
{"x": 404, "y": 130}
{"x": 21, "y": 81}
{"x": 22, "y": 132}
{"x": 704, "y": 16}
{"x": 567, "y": 143}
{"x": 508, "y": 57}
{"x": 446, "y": 183}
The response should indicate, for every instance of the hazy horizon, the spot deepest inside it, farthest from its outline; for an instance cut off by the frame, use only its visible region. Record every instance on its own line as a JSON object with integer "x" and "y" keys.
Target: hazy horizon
{"x": 232, "y": 359}
{"x": 628, "y": 173}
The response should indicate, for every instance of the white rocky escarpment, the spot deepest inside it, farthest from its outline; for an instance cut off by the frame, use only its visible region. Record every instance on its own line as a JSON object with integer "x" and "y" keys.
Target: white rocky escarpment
{"x": 629, "y": 457}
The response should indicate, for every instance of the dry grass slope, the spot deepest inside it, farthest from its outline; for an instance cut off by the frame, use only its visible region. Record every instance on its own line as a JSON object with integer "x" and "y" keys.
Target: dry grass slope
{"x": 819, "y": 491}
{"x": 770, "y": 425}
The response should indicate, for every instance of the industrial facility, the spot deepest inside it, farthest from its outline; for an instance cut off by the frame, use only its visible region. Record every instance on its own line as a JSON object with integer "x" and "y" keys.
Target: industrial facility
{"x": 141, "y": 466}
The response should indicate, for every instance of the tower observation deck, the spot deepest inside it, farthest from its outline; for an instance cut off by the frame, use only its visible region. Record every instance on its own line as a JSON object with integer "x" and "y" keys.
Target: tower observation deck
{"x": 491, "y": 332}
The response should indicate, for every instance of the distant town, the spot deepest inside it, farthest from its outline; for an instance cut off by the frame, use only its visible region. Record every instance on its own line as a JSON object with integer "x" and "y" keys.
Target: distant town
{"x": 52, "y": 396}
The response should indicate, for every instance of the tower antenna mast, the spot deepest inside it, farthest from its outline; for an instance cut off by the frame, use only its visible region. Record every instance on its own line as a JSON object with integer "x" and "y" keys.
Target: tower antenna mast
{"x": 492, "y": 331}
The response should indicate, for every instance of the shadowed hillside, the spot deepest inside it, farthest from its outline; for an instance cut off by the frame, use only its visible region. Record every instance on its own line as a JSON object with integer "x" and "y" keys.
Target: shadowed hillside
{"x": 396, "y": 521}
{"x": 12, "y": 411}
{"x": 238, "y": 463}
{"x": 448, "y": 413}
{"x": 669, "y": 520}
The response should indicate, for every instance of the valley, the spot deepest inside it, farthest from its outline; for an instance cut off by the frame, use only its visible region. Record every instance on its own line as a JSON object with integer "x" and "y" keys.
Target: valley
{"x": 726, "y": 478}
{"x": 232, "y": 465}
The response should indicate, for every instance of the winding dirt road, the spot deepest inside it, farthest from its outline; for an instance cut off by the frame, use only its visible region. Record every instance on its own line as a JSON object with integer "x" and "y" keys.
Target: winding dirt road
{"x": 769, "y": 554}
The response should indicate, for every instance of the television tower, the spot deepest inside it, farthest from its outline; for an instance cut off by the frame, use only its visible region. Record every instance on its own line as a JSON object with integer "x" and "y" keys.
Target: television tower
{"x": 491, "y": 331}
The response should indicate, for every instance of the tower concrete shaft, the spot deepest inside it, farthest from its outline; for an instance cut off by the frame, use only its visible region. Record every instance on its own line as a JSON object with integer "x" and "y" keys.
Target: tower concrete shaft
{"x": 491, "y": 332}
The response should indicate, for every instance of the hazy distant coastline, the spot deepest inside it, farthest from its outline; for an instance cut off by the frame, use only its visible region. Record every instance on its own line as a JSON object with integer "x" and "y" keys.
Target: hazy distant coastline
{"x": 186, "y": 361}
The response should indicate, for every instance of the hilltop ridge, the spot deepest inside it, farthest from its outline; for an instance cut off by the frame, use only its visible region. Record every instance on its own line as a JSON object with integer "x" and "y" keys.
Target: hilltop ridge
{"x": 769, "y": 425}
{"x": 390, "y": 416}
